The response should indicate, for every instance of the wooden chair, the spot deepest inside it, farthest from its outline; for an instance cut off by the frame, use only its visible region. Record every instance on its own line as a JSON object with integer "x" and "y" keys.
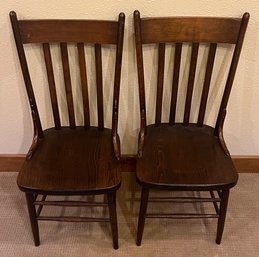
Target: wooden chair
{"x": 71, "y": 160}
{"x": 184, "y": 155}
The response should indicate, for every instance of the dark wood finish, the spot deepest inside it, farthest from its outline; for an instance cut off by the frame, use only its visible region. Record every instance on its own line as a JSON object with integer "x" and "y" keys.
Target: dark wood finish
{"x": 87, "y": 31}
{"x": 26, "y": 76}
{"x": 160, "y": 82}
{"x": 186, "y": 156}
{"x": 99, "y": 84}
{"x": 188, "y": 101}
{"x": 206, "y": 85}
{"x": 214, "y": 202}
{"x": 177, "y": 62}
{"x": 190, "y": 29}
{"x": 181, "y": 215}
{"x": 142, "y": 102}
{"x": 184, "y": 199}
{"x": 82, "y": 66}
{"x": 113, "y": 218}
{"x": 231, "y": 73}
{"x": 73, "y": 219}
{"x": 33, "y": 218}
{"x": 52, "y": 87}
{"x": 69, "y": 203}
{"x": 116, "y": 93}
{"x": 68, "y": 87}
{"x": 89, "y": 153}
{"x": 222, "y": 215}
{"x": 142, "y": 214}
{"x": 197, "y": 162}
{"x": 74, "y": 160}
{"x": 38, "y": 212}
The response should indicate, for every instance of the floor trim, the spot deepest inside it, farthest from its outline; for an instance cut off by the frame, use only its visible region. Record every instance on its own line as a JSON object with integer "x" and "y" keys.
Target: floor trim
{"x": 11, "y": 162}
{"x": 243, "y": 163}
{"x": 246, "y": 163}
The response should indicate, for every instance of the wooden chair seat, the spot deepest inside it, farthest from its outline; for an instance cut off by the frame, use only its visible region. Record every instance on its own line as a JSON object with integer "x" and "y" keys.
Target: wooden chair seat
{"x": 78, "y": 161}
{"x": 184, "y": 158}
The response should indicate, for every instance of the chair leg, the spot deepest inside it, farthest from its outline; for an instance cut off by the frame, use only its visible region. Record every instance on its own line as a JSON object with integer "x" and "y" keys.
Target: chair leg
{"x": 33, "y": 220}
{"x": 142, "y": 214}
{"x": 222, "y": 215}
{"x": 113, "y": 218}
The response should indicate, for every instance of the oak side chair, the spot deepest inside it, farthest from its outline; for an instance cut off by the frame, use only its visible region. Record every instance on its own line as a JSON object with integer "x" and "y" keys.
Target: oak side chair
{"x": 185, "y": 155}
{"x": 75, "y": 159}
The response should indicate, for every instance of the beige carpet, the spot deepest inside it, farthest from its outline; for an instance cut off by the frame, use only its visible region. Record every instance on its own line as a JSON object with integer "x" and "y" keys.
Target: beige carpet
{"x": 161, "y": 237}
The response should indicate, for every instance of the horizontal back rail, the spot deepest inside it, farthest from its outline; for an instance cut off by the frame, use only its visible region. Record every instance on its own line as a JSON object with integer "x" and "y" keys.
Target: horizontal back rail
{"x": 87, "y": 31}
{"x": 190, "y": 29}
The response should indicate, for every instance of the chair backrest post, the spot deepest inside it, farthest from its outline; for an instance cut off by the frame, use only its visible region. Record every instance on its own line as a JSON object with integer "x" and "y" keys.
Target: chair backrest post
{"x": 232, "y": 72}
{"x": 117, "y": 79}
{"x": 140, "y": 68}
{"x": 26, "y": 75}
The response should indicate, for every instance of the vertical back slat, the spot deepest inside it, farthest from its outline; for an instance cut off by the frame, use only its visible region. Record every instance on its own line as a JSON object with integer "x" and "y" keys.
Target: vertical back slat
{"x": 177, "y": 62}
{"x": 188, "y": 101}
{"x": 52, "y": 87}
{"x": 160, "y": 82}
{"x": 206, "y": 85}
{"x": 84, "y": 86}
{"x": 99, "y": 84}
{"x": 67, "y": 79}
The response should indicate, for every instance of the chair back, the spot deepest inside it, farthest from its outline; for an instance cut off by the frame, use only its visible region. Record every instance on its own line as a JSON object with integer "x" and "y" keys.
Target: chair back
{"x": 196, "y": 32}
{"x": 78, "y": 33}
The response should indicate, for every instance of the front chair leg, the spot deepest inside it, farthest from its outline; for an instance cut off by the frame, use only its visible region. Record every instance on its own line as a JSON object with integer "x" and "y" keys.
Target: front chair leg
{"x": 222, "y": 215}
{"x": 33, "y": 220}
{"x": 113, "y": 218}
{"x": 142, "y": 214}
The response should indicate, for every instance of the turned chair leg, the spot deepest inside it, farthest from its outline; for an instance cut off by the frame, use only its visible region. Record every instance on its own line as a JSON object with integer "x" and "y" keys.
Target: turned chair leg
{"x": 142, "y": 214}
{"x": 113, "y": 218}
{"x": 222, "y": 215}
{"x": 33, "y": 220}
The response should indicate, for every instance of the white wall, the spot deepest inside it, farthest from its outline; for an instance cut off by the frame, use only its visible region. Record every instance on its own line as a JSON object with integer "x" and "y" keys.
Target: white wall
{"x": 242, "y": 123}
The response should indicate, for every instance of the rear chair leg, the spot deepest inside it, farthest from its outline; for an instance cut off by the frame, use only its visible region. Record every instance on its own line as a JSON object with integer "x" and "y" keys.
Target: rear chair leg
{"x": 142, "y": 214}
{"x": 33, "y": 220}
{"x": 222, "y": 215}
{"x": 113, "y": 218}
